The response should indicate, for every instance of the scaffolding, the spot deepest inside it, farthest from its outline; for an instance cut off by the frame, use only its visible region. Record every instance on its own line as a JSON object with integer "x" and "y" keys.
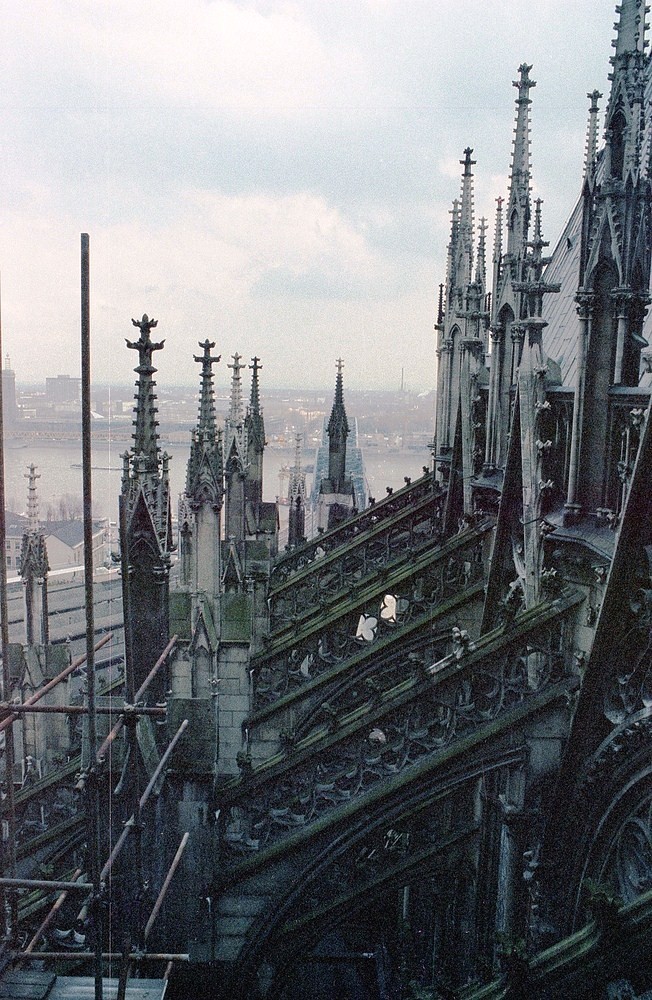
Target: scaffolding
{"x": 89, "y": 886}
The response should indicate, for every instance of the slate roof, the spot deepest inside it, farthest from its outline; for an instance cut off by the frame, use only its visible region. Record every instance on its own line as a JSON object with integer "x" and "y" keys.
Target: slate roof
{"x": 15, "y": 524}
{"x": 69, "y": 532}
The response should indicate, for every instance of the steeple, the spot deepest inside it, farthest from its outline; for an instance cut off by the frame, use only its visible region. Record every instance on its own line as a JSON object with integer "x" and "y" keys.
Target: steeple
{"x": 205, "y": 467}
{"x": 34, "y": 568}
{"x": 338, "y": 431}
{"x": 518, "y": 206}
{"x": 145, "y": 436}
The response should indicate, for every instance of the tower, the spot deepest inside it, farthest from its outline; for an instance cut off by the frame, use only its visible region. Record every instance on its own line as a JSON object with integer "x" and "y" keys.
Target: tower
{"x": 145, "y": 521}
{"x": 336, "y": 497}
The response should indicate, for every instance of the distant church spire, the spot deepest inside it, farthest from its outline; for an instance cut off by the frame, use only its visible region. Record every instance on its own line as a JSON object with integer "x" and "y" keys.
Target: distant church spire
{"x": 338, "y": 431}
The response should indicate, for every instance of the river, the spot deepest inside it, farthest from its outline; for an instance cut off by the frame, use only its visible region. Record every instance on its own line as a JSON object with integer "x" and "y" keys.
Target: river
{"x": 59, "y": 467}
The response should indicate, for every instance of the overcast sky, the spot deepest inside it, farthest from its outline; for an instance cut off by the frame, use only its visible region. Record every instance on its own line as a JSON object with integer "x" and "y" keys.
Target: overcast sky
{"x": 275, "y": 176}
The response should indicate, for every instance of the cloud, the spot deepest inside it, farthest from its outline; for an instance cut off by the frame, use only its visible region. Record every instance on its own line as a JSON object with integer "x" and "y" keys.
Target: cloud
{"x": 270, "y": 173}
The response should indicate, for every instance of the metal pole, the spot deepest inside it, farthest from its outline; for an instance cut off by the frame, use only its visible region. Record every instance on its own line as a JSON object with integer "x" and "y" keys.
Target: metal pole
{"x": 129, "y": 825}
{"x": 112, "y": 956}
{"x": 8, "y": 854}
{"x": 56, "y": 906}
{"x": 93, "y": 805}
{"x": 44, "y": 883}
{"x": 164, "y": 888}
{"x": 154, "y": 710}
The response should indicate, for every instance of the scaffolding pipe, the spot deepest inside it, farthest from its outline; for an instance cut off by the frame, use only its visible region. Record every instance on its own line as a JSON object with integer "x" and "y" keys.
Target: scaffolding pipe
{"x": 129, "y": 825}
{"x": 138, "y": 695}
{"x": 129, "y": 710}
{"x": 44, "y": 883}
{"x": 8, "y": 853}
{"x": 34, "y": 698}
{"x": 56, "y": 906}
{"x": 166, "y": 884}
{"x": 111, "y": 956}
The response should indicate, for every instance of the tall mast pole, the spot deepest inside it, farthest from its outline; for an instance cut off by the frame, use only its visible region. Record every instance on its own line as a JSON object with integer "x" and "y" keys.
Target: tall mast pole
{"x": 8, "y": 854}
{"x": 93, "y": 806}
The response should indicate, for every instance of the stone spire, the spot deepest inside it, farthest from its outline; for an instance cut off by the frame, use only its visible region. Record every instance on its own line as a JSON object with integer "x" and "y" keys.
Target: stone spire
{"x": 32, "y": 499}
{"x": 591, "y": 153}
{"x": 146, "y": 521}
{"x": 235, "y": 411}
{"x": 624, "y": 121}
{"x": 235, "y": 457}
{"x": 518, "y": 206}
{"x": 613, "y": 287}
{"x": 481, "y": 266}
{"x": 297, "y": 498}
{"x": 205, "y": 466}
{"x": 338, "y": 431}
{"x": 34, "y": 568}
{"x": 630, "y": 29}
{"x": 255, "y": 436}
{"x": 145, "y": 436}
{"x": 440, "y": 307}
{"x": 235, "y": 440}
{"x": 464, "y": 270}
{"x": 201, "y": 504}
{"x": 498, "y": 250}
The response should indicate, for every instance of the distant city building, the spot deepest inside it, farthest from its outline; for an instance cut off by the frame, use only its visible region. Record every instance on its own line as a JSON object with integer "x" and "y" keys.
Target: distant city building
{"x": 15, "y": 526}
{"x": 65, "y": 543}
{"x": 10, "y": 405}
{"x": 62, "y": 389}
